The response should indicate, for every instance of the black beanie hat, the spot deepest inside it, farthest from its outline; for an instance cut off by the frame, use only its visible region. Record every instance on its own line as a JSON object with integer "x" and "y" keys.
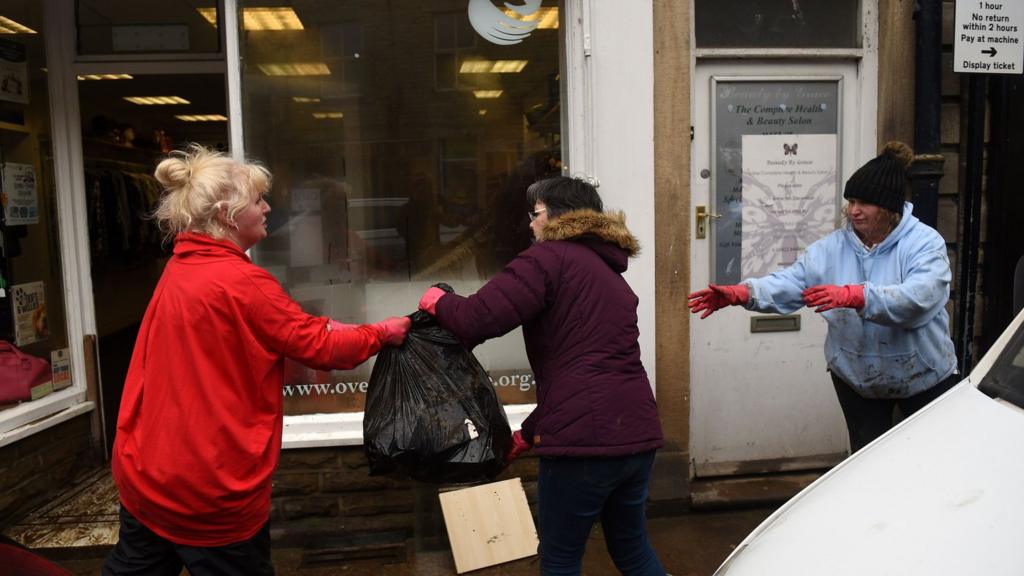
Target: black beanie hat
{"x": 882, "y": 180}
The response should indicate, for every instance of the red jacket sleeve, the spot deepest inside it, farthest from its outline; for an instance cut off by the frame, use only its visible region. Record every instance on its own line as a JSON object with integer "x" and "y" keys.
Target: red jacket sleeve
{"x": 281, "y": 325}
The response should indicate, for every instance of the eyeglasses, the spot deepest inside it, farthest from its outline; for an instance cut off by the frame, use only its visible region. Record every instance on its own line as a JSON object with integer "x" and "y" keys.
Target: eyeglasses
{"x": 535, "y": 213}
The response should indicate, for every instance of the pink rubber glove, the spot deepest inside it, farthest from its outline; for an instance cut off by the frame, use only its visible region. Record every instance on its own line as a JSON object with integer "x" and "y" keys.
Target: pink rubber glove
{"x": 715, "y": 297}
{"x": 518, "y": 447}
{"x": 394, "y": 329}
{"x": 428, "y": 303}
{"x": 829, "y": 296}
{"x": 335, "y": 326}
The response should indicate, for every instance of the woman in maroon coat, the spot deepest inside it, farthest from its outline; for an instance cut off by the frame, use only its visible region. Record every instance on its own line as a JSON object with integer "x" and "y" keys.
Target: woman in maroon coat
{"x": 596, "y": 424}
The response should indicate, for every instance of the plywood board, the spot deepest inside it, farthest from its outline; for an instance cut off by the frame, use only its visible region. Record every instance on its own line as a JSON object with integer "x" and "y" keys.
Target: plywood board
{"x": 488, "y": 524}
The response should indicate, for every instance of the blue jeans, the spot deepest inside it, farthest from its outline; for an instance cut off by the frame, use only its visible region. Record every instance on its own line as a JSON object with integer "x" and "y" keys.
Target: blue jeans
{"x": 574, "y": 492}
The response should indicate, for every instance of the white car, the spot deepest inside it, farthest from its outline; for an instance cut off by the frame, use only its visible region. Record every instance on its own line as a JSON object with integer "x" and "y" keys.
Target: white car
{"x": 940, "y": 494}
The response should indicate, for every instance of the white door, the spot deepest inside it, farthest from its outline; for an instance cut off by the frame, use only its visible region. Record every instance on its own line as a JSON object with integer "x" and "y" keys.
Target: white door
{"x": 765, "y": 137}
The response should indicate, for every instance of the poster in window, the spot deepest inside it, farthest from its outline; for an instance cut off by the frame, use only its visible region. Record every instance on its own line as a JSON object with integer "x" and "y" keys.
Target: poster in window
{"x": 30, "y": 324}
{"x": 13, "y": 72}
{"x": 60, "y": 365}
{"x": 789, "y": 198}
{"x": 18, "y": 194}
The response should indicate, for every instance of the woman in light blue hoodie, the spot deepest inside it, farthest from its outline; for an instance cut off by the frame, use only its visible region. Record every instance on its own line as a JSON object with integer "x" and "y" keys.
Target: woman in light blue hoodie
{"x": 882, "y": 283}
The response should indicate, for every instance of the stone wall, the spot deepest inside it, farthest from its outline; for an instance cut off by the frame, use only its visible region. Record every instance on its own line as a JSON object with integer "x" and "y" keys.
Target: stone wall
{"x": 326, "y": 495}
{"x": 33, "y": 469}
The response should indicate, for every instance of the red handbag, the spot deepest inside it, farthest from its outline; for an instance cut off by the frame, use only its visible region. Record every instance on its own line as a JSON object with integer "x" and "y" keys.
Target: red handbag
{"x": 19, "y": 373}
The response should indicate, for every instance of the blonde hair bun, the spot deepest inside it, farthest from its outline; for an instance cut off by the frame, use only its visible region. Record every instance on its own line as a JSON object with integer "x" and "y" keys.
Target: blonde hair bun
{"x": 173, "y": 172}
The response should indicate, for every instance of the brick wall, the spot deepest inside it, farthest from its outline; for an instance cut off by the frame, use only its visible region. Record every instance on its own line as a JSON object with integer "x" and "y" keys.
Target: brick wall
{"x": 327, "y": 494}
{"x": 33, "y": 468}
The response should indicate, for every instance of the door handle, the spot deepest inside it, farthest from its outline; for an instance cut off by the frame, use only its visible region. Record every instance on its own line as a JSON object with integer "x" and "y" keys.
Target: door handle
{"x": 702, "y": 221}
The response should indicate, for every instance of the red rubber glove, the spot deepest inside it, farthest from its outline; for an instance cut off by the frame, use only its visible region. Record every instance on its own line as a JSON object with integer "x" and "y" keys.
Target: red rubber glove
{"x": 518, "y": 447}
{"x": 394, "y": 329}
{"x": 428, "y": 303}
{"x": 714, "y": 297}
{"x": 335, "y": 326}
{"x": 829, "y": 296}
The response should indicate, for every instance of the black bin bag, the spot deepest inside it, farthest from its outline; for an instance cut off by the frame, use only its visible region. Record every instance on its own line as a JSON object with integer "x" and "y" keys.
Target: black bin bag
{"x": 431, "y": 411}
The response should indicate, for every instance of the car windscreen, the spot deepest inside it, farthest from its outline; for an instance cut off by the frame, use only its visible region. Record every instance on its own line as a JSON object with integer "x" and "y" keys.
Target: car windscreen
{"x": 1006, "y": 378}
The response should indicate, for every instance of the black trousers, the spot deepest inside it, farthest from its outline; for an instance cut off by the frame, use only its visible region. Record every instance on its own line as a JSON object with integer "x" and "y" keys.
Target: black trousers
{"x": 141, "y": 552}
{"x": 869, "y": 418}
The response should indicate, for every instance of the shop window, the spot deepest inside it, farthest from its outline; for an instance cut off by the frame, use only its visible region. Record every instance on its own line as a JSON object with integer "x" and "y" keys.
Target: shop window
{"x": 125, "y": 27}
{"x": 414, "y": 173}
{"x": 32, "y": 307}
{"x": 454, "y": 42}
{"x": 342, "y": 47}
{"x": 777, "y": 23}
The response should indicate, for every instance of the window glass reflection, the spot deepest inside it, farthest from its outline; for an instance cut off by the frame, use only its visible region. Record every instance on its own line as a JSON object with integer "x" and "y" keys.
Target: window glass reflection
{"x": 401, "y": 143}
{"x": 157, "y": 26}
{"x": 777, "y": 23}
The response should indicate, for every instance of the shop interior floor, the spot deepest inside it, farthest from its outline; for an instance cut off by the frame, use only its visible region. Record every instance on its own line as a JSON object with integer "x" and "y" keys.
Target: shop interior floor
{"x": 82, "y": 516}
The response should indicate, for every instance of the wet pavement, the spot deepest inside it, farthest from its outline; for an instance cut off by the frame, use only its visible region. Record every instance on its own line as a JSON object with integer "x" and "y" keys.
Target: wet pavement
{"x": 690, "y": 544}
{"x": 77, "y": 528}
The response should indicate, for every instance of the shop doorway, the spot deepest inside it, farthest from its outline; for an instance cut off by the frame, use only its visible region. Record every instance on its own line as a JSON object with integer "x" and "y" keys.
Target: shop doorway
{"x": 129, "y": 123}
{"x": 774, "y": 411}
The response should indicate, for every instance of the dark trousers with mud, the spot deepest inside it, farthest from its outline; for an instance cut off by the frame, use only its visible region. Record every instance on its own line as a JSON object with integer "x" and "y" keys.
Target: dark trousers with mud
{"x": 869, "y": 418}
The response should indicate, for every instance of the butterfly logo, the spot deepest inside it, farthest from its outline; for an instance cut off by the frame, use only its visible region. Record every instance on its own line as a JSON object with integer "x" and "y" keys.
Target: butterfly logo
{"x": 496, "y": 27}
{"x": 789, "y": 149}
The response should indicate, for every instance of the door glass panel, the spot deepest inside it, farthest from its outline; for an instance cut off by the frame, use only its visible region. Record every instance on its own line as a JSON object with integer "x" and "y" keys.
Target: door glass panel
{"x": 401, "y": 141}
{"x": 147, "y": 26}
{"x": 32, "y": 311}
{"x": 777, "y": 23}
{"x": 775, "y": 177}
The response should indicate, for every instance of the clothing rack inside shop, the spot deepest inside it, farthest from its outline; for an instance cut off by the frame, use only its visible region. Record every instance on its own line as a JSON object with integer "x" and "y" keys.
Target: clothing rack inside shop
{"x": 122, "y": 165}
{"x": 120, "y": 197}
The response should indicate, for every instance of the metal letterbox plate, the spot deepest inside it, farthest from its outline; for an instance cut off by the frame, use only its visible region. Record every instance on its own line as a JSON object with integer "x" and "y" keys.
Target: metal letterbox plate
{"x": 775, "y": 323}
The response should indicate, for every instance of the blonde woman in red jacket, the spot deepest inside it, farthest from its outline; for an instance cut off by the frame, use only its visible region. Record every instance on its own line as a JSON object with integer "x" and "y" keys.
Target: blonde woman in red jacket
{"x": 199, "y": 429}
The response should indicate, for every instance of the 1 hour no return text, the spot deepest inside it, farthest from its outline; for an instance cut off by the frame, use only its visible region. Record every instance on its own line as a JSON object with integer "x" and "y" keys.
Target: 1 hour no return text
{"x": 989, "y": 23}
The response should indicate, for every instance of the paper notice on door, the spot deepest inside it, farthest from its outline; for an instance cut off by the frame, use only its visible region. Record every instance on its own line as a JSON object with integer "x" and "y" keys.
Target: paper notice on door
{"x": 789, "y": 194}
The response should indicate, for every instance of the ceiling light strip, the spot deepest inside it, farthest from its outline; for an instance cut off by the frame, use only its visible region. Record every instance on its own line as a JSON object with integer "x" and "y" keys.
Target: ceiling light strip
{"x": 202, "y": 118}
{"x": 295, "y": 69}
{"x": 156, "y": 100}
{"x": 492, "y": 66}
{"x": 8, "y": 26}
{"x": 274, "y": 18}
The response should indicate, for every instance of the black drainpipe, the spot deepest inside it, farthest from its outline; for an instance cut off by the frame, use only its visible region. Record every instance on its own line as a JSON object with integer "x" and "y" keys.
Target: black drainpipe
{"x": 927, "y": 168}
{"x": 970, "y": 219}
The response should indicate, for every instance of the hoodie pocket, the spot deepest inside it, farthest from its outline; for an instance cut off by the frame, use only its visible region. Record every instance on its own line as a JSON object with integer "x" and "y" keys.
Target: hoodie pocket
{"x": 883, "y": 375}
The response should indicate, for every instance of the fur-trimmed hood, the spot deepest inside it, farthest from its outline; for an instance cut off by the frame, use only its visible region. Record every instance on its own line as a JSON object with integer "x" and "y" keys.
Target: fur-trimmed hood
{"x": 607, "y": 226}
